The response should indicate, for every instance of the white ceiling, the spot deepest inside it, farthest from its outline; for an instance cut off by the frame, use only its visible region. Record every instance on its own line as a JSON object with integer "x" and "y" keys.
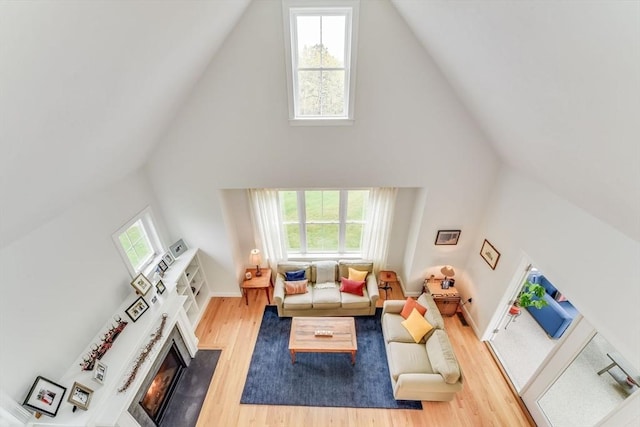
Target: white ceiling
{"x": 88, "y": 88}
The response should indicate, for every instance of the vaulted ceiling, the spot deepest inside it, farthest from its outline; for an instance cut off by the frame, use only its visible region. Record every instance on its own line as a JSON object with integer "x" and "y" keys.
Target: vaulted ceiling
{"x": 88, "y": 88}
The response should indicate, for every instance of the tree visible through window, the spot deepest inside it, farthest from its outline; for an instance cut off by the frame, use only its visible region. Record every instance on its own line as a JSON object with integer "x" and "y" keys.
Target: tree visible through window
{"x": 321, "y": 64}
{"x": 136, "y": 245}
{"x": 324, "y": 221}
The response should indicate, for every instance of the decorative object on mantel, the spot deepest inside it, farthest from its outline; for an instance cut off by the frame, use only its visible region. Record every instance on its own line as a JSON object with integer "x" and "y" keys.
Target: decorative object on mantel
{"x": 489, "y": 254}
{"x": 100, "y": 372}
{"x": 163, "y": 266}
{"x": 144, "y": 354}
{"x": 80, "y": 396}
{"x": 256, "y": 259}
{"x": 178, "y": 248}
{"x": 44, "y": 397}
{"x": 160, "y": 287}
{"x": 97, "y": 351}
{"x": 168, "y": 258}
{"x": 141, "y": 284}
{"x": 447, "y": 237}
{"x": 136, "y": 309}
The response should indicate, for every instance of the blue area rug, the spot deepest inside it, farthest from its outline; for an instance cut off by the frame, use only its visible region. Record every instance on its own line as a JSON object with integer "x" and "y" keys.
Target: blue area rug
{"x": 320, "y": 379}
{"x": 186, "y": 402}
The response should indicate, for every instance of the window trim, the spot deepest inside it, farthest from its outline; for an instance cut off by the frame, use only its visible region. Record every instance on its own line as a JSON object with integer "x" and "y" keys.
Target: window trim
{"x": 342, "y": 225}
{"x": 149, "y": 224}
{"x": 351, "y": 44}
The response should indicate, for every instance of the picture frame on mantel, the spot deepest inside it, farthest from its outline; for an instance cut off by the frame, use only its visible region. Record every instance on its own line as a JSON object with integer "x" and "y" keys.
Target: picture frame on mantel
{"x": 178, "y": 248}
{"x": 136, "y": 309}
{"x": 141, "y": 284}
{"x": 45, "y": 397}
{"x": 489, "y": 254}
{"x": 447, "y": 237}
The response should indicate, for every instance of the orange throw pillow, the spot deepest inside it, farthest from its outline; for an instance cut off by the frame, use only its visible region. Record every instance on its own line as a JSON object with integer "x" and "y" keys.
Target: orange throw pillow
{"x": 409, "y": 305}
{"x": 295, "y": 287}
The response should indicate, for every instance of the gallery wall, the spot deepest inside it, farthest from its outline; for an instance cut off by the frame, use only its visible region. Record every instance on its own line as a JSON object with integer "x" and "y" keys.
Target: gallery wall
{"x": 63, "y": 281}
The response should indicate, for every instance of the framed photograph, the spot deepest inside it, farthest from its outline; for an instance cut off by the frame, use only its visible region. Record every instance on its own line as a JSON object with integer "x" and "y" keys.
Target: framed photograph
{"x": 45, "y": 396}
{"x": 490, "y": 254}
{"x": 99, "y": 372}
{"x": 141, "y": 284}
{"x": 160, "y": 287}
{"x": 178, "y": 248}
{"x": 80, "y": 396}
{"x": 163, "y": 266}
{"x": 168, "y": 258}
{"x": 447, "y": 237}
{"x": 136, "y": 309}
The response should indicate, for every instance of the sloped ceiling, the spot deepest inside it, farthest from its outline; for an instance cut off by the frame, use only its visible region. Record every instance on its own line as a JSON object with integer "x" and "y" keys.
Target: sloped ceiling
{"x": 555, "y": 85}
{"x": 87, "y": 88}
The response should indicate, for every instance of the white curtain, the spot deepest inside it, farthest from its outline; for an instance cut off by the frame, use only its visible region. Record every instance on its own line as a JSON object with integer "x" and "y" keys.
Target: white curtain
{"x": 378, "y": 227}
{"x": 267, "y": 225}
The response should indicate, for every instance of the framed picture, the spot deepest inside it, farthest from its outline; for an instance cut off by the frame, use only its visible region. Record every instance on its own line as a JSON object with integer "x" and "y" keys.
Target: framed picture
{"x": 80, "y": 396}
{"x": 136, "y": 309}
{"x": 168, "y": 258}
{"x": 178, "y": 248}
{"x": 447, "y": 237}
{"x": 45, "y": 396}
{"x": 99, "y": 372}
{"x": 160, "y": 287}
{"x": 141, "y": 284}
{"x": 163, "y": 266}
{"x": 490, "y": 254}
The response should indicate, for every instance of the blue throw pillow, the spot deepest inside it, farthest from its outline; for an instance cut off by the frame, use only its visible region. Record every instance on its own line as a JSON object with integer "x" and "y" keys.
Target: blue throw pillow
{"x": 294, "y": 275}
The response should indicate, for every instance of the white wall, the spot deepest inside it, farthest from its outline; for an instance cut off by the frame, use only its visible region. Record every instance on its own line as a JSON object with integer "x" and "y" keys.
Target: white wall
{"x": 62, "y": 282}
{"x": 593, "y": 263}
{"x": 410, "y": 131}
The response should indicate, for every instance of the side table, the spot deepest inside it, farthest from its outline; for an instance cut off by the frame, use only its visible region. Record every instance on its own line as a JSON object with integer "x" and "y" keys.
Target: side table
{"x": 387, "y": 277}
{"x": 257, "y": 282}
{"x": 447, "y": 300}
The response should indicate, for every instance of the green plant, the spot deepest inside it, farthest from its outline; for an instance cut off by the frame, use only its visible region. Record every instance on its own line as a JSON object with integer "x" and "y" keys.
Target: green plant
{"x": 531, "y": 296}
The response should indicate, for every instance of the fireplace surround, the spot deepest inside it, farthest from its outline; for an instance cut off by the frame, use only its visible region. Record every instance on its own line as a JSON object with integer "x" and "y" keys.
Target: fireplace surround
{"x": 160, "y": 381}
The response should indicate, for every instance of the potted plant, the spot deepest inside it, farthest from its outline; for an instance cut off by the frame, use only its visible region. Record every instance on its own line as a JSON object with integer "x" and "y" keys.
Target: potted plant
{"x": 530, "y": 296}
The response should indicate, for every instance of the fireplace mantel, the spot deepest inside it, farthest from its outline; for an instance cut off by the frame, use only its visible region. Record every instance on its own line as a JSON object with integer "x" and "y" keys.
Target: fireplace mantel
{"x": 108, "y": 407}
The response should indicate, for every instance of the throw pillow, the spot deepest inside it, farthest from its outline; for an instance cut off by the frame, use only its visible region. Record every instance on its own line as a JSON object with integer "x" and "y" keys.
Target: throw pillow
{"x": 559, "y": 297}
{"x": 295, "y": 287}
{"x": 417, "y": 325}
{"x": 352, "y": 286}
{"x": 409, "y": 305}
{"x": 357, "y": 274}
{"x": 294, "y": 275}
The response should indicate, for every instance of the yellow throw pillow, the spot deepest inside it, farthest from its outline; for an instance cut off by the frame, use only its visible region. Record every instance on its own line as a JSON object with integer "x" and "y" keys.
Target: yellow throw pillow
{"x": 357, "y": 274}
{"x": 417, "y": 325}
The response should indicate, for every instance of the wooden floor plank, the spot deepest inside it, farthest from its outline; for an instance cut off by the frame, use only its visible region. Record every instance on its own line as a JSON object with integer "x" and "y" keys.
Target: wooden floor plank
{"x": 231, "y": 325}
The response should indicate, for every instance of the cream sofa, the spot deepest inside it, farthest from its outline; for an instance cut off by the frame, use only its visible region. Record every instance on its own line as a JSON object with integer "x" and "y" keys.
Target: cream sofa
{"x": 427, "y": 370}
{"x": 325, "y": 300}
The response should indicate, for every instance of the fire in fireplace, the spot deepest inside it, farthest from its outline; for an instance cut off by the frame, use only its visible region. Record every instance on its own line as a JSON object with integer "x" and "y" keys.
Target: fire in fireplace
{"x": 155, "y": 400}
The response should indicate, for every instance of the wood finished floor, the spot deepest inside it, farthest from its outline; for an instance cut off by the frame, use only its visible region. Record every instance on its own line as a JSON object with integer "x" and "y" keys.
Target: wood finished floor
{"x": 230, "y": 325}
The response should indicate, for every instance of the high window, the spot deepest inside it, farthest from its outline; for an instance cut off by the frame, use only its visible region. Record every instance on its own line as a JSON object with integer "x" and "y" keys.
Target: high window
{"x": 324, "y": 221}
{"x": 138, "y": 242}
{"x": 321, "y": 59}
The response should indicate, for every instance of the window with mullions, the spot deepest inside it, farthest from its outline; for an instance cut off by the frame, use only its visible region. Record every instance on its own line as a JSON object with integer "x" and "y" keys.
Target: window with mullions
{"x": 321, "y": 59}
{"x": 324, "y": 221}
{"x": 138, "y": 242}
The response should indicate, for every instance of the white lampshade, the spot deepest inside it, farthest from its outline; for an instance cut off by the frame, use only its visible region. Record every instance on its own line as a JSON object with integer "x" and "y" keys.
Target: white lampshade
{"x": 255, "y": 258}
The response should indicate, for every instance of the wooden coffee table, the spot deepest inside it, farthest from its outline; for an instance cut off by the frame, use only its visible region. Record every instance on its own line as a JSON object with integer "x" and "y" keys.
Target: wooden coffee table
{"x": 304, "y": 340}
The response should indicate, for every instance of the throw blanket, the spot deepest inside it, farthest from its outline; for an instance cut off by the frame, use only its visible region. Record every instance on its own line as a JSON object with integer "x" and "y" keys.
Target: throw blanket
{"x": 325, "y": 271}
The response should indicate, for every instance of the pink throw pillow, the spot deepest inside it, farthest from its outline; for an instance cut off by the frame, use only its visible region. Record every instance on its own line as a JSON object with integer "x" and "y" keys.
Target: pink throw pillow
{"x": 295, "y": 287}
{"x": 352, "y": 286}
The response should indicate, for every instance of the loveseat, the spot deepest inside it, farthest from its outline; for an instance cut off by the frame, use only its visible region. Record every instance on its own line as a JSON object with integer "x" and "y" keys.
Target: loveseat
{"x": 426, "y": 370}
{"x": 323, "y": 296}
{"x": 558, "y": 314}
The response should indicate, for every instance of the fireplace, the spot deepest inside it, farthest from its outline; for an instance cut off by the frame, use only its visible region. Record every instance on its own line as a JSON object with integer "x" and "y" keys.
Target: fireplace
{"x": 155, "y": 400}
{"x": 154, "y": 394}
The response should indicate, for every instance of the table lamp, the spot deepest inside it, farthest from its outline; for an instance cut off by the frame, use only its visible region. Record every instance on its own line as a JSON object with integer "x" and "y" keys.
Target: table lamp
{"x": 447, "y": 271}
{"x": 256, "y": 260}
